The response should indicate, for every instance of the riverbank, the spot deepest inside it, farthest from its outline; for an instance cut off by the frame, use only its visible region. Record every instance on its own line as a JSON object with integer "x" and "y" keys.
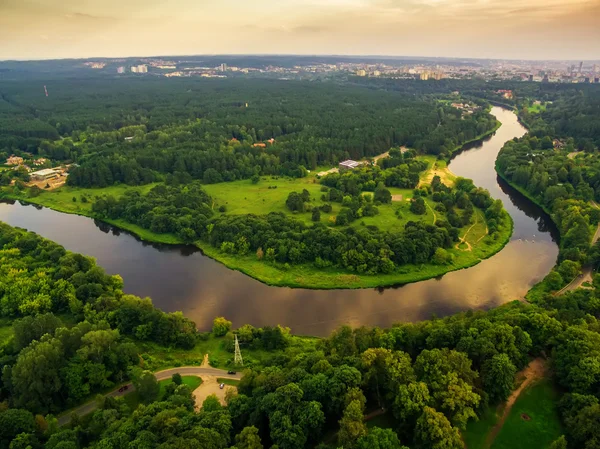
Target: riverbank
{"x": 297, "y": 276}
{"x": 479, "y": 138}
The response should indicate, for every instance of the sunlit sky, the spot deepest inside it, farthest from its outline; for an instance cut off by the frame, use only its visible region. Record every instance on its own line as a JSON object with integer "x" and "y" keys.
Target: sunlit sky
{"x": 517, "y": 29}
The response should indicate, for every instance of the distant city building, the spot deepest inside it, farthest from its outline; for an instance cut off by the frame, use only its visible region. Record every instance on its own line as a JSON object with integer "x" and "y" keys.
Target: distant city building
{"x": 223, "y": 67}
{"x": 134, "y": 69}
{"x": 580, "y": 67}
{"x": 361, "y": 72}
{"x": 142, "y": 68}
{"x": 348, "y": 165}
{"x": 376, "y": 73}
{"x": 596, "y": 80}
{"x": 121, "y": 70}
{"x": 530, "y": 77}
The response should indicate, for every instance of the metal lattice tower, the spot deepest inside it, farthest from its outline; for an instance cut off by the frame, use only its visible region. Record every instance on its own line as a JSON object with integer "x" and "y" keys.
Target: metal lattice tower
{"x": 237, "y": 358}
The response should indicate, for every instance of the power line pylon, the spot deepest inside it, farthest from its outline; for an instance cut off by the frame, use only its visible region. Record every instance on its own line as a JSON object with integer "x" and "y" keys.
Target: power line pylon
{"x": 237, "y": 358}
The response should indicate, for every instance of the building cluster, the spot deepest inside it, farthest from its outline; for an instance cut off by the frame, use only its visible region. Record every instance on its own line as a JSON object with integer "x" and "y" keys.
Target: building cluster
{"x": 141, "y": 68}
{"x": 465, "y": 108}
{"x": 95, "y": 65}
{"x": 424, "y": 69}
{"x": 43, "y": 174}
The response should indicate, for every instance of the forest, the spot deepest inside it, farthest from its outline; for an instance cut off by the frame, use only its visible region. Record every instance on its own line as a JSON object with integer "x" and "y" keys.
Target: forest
{"x": 75, "y": 333}
{"x": 556, "y": 164}
{"x": 140, "y": 131}
{"x": 185, "y": 210}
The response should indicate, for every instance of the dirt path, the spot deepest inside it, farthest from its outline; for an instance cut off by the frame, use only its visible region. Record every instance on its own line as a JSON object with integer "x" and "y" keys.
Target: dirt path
{"x": 432, "y": 211}
{"x": 463, "y": 239}
{"x": 534, "y": 371}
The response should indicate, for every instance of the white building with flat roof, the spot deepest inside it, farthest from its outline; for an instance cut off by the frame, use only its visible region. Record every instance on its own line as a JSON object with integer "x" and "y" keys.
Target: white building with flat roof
{"x": 348, "y": 165}
{"x": 46, "y": 173}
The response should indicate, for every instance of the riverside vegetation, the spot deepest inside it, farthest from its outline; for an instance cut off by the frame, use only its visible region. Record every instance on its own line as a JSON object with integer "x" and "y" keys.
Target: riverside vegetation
{"x": 431, "y": 380}
{"x": 356, "y": 235}
{"x": 68, "y": 331}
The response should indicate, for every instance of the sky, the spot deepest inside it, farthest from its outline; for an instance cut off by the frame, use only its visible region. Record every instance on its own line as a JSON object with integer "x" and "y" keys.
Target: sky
{"x": 504, "y": 29}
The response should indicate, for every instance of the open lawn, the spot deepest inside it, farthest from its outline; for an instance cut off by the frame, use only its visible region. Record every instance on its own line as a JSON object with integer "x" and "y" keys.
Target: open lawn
{"x": 476, "y": 434}
{"x": 533, "y": 422}
{"x": 232, "y": 382}
{"x": 536, "y": 108}
{"x": 270, "y": 194}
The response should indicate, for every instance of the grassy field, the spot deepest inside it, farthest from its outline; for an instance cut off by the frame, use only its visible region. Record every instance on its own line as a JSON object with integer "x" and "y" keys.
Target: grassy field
{"x": 232, "y": 382}
{"x": 270, "y": 194}
{"x": 476, "y": 434}
{"x": 536, "y": 108}
{"x": 538, "y": 403}
{"x": 533, "y": 422}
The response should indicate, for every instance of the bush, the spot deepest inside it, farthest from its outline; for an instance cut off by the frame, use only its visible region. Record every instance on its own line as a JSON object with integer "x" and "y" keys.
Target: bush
{"x": 222, "y": 208}
{"x": 221, "y": 326}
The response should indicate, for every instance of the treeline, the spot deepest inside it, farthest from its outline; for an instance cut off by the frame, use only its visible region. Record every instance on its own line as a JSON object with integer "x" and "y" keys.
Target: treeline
{"x": 545, "y": 163}
{"x": 431, "y": 378}
{"x": 186, "y": 211}
{"x": 72, "y": 324}
{"x": 208, "y": 129}
{"x": 181, "y": 210}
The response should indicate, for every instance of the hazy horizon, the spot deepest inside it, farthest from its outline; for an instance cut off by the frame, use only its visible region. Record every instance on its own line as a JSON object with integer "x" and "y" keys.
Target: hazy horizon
{"x": 475, "y": 29}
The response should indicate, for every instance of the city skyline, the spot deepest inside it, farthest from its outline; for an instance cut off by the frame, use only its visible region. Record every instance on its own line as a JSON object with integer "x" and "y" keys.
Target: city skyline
{"x": 490, "y": 29}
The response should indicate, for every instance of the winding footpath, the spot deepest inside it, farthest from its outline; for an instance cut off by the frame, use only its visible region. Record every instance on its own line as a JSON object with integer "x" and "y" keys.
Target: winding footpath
{"x": 198, "y": 371}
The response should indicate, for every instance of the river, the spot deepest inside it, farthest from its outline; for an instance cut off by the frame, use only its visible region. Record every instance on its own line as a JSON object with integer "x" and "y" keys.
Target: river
{"x": 181, "y": 278}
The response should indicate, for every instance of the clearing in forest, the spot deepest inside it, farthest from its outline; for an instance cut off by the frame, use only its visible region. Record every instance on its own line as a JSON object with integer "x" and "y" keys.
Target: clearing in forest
{"x": 528, "y": 419}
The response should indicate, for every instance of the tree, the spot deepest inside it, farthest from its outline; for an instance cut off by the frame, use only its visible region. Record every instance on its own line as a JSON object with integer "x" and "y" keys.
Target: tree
{"x": 352, "y": 426}
{"x": 316, "y": 214}
{"x": 442, "y": 257}
{"x": 417, "y": 206}
{"x": 378, "y": 438}
{"x": 146, "y": 386}
{"x": 33, "y": 327}
{"x": 433, "y": 431}
{"x": 295, "y": 202}
{"x": 36, "y": 378}
{"x": 560, "y": 443}
{"x": 176, "y": 379}
{"x": 220, "y": 326}
{"x": 248, "y": 438}
{"x": 498, "y": 375}
{"x": 13, "y": 422}
{"x": 382, "y": 194}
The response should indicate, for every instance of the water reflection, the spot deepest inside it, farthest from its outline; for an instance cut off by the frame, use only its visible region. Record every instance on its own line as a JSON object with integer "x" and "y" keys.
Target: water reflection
{"x": 181, "y": 278}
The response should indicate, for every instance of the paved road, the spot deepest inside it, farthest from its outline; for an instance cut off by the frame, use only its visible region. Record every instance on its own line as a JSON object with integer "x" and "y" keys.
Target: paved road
{"x": 198, "y": 371}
